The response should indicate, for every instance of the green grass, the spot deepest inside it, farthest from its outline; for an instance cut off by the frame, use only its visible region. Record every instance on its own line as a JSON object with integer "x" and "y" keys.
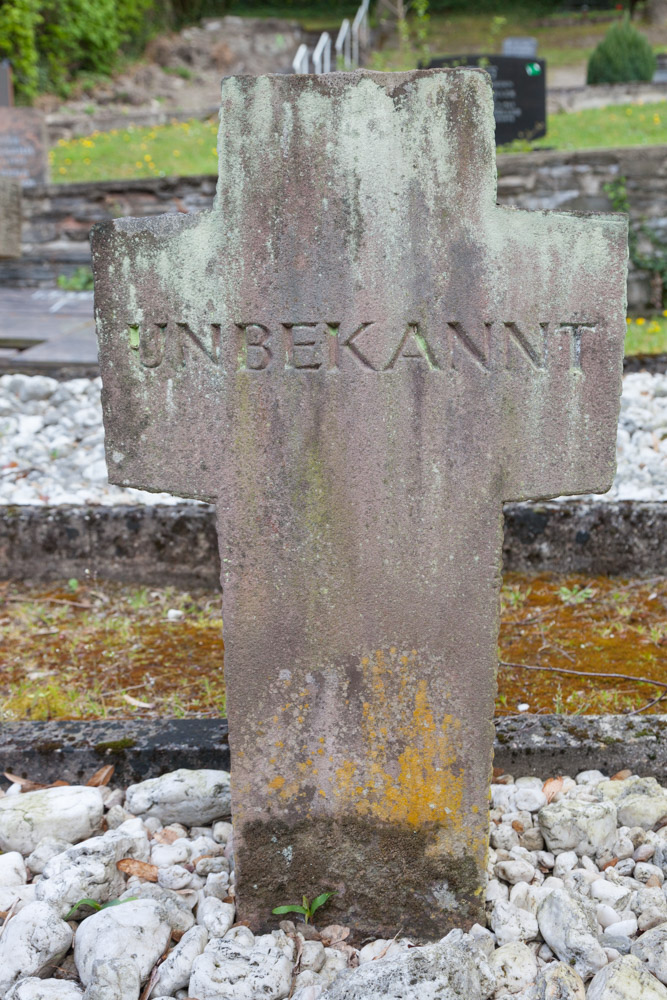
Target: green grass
{"x": 646, "y": 335}
{"x": 184, "y": 148}
{"x": 188, "y": 148}
{"x": 594, "y": 128}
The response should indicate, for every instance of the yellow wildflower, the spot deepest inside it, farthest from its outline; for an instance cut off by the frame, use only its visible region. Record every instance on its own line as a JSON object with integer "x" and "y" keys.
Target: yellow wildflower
{"x": 62, "y": 170}
{"x": 640, "y": 321}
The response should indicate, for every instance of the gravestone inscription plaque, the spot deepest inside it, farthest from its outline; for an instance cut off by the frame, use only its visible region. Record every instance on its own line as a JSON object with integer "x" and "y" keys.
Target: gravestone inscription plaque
{"x": 519, "y": 93}
{"x": 23, "y": 145}
{"x": 358, "y": 356}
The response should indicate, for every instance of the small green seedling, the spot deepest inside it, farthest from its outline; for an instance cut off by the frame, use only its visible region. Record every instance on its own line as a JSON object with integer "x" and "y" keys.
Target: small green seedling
{"x": 575, "y": 595}
{"x": 98, "y": 906}
{"x": 307, "y": 909}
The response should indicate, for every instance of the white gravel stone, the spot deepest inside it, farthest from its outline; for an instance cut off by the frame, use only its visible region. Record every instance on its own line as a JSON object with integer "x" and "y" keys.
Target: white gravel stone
{"x": 558, "y": 982}
{"x": 570, "y": 931}
{"x": 623, "y": 928}
{"x": 174, "y": 973}
{"x": 182, "y": 796}
{"x": 564, "y": 863}
{"x": 573, "y": 825}
{"x": 651, "y": 949}
{"x": 515, "y": 968}
{"x": 44, "y": 989}
{"x": 173, "y": 908}
{"x": 626, "y": 979}
{"x": 514, "y": 871}
{"x": 174, "y": 877}
{"x": 88, "y": 870}
{"x": 227, "y": 970}
{"x": 510, "y": 923}
{"x": 12, "y": 870}
{"x": 644, "y": 870}
{"x": 313, "y": 956}
{"x": 451, "y": 969}
{"x": 608, "y": 892}
{"x": 74, "y": 811}
{"x": 222, "y": 831}
{"x": 639, "y": 801}
{"x": 650, "y": 906}
{"x": 33, "y": 943}
{"x": 114, "y": 979}
{"x": 45, "y": 850}
{"x": 217, "y": 917}
{"x": 134, "y": 931}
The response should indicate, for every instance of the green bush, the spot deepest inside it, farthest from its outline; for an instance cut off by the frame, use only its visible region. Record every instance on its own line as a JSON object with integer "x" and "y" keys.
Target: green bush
{"x": 622, "y": 55}
{"x": 50, "y": 42}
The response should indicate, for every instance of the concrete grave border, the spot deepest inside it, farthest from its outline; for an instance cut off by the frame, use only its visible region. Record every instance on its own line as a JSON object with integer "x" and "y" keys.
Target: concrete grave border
{"x": 176, "y": 545}
{"x": 543, "y": 745}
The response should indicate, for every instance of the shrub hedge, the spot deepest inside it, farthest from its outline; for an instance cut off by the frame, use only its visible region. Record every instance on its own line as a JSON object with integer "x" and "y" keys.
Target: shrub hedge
{"x": 624, "y": 54}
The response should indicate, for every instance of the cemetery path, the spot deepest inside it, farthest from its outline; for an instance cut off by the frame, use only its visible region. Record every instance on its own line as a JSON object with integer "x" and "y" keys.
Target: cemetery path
{"x": 116, "y": 651}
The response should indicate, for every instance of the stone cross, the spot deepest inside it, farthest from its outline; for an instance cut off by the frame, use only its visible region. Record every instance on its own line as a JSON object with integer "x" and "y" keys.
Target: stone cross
{"x": 358, "y": 357}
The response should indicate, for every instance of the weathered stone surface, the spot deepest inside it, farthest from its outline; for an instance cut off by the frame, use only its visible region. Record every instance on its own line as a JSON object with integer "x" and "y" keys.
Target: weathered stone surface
{"x": 10, "y": 217}
{"x": 361, "y": 357}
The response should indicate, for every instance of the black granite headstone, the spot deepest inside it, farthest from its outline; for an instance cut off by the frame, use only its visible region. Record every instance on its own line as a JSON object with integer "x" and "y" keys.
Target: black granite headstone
{"x": 519, "y": 93}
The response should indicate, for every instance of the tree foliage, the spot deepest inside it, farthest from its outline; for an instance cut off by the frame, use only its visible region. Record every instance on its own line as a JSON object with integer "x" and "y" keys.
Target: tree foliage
{"x": 624, "y": 54}
{"x": 50, "y": 41}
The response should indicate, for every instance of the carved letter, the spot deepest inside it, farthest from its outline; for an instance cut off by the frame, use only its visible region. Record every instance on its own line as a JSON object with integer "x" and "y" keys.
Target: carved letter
{"x": 254, "y": 353}
{"x": 479, "y": 354}
{"x": 413, "y": 346}
{"x": 576, "y": 330}
{"x": 148, "y": 343}
{"x": 348, "y": 341}
{"x": 302, "y": 346}
{"x": 212, "y": 352}
{"x": 534, "y": 355}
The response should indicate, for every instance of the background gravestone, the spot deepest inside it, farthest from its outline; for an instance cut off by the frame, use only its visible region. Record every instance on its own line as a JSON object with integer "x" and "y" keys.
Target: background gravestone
{"x": 519, "y": 93}
{"x": 6, "y": 84}
{"x": 522, "y": 46}
{"x": 23, "y": 153}
{"x": 359, "y": 357}
{"x": 10, "y": 218}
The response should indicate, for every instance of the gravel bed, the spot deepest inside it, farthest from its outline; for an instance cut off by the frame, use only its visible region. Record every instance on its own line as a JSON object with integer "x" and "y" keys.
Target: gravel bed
{"x": 52, "y": 443}
{"x": 576, "y": 901}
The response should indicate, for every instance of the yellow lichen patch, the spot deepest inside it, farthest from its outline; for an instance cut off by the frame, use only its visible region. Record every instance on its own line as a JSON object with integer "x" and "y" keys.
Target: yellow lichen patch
{"x": 276, "y": 783}
{"x": 410, "y": 772}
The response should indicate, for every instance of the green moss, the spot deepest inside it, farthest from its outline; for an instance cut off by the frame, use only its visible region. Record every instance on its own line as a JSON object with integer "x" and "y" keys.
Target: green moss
{"x": 115, "y": 746}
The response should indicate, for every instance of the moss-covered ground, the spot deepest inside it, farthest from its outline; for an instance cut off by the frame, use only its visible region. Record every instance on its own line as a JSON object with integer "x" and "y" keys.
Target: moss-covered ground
{"x": 109, "y": 650}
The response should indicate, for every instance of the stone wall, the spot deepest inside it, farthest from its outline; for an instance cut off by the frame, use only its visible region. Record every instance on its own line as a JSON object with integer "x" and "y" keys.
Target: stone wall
{"x": 57, "y": 218}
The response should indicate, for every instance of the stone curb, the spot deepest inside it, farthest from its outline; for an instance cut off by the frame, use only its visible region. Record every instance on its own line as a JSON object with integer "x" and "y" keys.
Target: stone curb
{"x": 177, "y": 545}
{"x": 543, "y": 745}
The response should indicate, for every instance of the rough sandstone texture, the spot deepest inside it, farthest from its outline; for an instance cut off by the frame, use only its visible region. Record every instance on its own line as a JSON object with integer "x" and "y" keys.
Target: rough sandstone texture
{"x": 360, "y": 357}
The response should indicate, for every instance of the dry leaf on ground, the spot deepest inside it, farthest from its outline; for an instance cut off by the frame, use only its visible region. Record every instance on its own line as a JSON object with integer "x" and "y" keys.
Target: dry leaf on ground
{"x": 102, "y": 777}
{"x": 139, "y": 868}
{"x": 551, "y": 787}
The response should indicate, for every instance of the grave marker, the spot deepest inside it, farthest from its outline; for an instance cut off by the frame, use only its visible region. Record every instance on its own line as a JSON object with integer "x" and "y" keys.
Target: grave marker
{"x": 23, "y": 145}
{"x": 6, "y": 84}
{"x": 360, "y": 357}
{"x": 10, "y": 218}
{"x": 521, "y": 46}
{"x": 519, "y": 93}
